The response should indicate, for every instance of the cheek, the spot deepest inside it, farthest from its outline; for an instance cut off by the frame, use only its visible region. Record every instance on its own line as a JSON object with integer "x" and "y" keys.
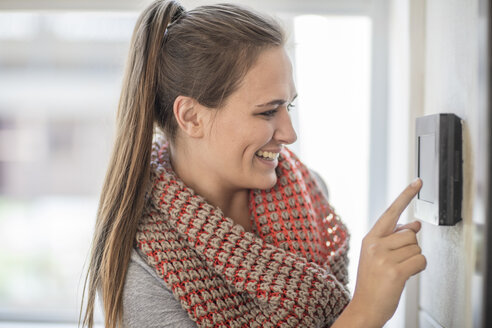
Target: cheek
{"x": 238, "y": 138}
{"x": 229, "y": 149}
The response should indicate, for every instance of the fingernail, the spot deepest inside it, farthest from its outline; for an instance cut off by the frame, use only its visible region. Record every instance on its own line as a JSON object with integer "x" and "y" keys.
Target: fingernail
{"x": 416, "y": 182}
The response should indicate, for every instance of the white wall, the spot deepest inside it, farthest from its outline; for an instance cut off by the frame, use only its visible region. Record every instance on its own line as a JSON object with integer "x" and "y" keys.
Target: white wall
{"x": 444, "y": 70}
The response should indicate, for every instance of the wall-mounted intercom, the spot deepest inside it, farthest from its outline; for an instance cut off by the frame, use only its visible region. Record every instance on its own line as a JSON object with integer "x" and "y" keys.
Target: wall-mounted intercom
{"x": 440, "y": 166}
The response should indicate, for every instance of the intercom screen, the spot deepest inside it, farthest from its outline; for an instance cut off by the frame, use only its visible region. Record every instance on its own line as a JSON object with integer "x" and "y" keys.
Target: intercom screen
{"x": 427, "y": 161}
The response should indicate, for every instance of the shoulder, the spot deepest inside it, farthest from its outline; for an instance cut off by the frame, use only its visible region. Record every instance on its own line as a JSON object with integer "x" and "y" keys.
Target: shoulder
{"x": 147, "y": 301}
{"x": 321, "y": 182}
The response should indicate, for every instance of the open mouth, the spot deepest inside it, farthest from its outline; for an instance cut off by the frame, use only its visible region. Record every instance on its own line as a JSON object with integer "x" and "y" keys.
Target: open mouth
{"x": 267, "y": 155}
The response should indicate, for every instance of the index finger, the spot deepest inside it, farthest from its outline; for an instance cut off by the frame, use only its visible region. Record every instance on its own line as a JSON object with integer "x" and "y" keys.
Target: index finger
{"x": 387, "y": 222}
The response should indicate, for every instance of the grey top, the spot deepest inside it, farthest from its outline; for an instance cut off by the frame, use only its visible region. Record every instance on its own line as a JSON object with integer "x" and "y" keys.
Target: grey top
{"x": 147, "y": 302}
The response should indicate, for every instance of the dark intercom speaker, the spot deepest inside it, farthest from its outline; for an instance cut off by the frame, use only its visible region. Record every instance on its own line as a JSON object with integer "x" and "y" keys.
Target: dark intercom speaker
{"x": 439, "y": 163}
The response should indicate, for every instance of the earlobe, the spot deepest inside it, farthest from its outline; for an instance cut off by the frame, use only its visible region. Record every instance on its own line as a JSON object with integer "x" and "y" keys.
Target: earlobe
{"x": 186, "y": 111}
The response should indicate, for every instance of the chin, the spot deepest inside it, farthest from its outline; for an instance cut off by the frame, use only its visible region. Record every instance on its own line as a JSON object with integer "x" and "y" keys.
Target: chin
{"x": 267, "y": 182}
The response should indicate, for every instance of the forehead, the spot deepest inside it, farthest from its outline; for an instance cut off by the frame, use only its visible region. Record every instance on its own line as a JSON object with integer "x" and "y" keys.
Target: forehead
{"x": 270, "y": 77}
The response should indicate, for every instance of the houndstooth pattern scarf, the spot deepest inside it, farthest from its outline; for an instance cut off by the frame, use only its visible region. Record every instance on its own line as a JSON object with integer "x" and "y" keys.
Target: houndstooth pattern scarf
{"x": 289, "y": 272}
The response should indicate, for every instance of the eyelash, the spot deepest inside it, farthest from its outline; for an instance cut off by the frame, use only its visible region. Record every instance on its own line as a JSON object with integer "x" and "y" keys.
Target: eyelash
{"x": 272, "y": 112}
{"x": 269, "y": 113}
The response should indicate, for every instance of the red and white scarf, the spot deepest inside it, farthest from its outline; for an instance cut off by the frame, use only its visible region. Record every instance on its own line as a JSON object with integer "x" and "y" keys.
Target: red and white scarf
{"x": 291, "y": 271}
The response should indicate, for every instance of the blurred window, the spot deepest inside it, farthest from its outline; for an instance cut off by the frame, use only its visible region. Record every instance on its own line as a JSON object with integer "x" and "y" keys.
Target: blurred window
{"x": 59, "y": 86}
{"x": 333, "y": 60}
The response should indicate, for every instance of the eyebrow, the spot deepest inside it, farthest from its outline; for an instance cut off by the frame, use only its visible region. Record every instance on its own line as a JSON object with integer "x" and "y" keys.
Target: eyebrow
{"x": 276, "y": 102}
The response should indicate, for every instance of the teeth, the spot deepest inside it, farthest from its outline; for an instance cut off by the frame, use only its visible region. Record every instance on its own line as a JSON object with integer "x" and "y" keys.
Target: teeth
{"x": 267, "y": 154}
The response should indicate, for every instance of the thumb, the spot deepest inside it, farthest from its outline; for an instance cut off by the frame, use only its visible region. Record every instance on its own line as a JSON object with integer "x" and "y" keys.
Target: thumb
{"x": 414, "y": 226}
{"x": 387, "y": 222}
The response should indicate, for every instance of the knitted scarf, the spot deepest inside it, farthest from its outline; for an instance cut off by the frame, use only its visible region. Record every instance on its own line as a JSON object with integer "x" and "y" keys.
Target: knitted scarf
{"x": 289, "y": 272}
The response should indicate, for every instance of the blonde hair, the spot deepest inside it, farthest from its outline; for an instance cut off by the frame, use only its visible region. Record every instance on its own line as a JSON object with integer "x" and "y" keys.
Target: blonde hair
{"x": 203, "y": 54}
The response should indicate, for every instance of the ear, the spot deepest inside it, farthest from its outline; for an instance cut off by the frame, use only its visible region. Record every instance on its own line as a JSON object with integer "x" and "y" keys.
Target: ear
{"x": 187, "y": 113}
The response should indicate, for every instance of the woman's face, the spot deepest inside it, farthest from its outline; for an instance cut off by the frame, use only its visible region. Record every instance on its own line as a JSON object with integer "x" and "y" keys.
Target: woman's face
{"x": 244, "y": 137}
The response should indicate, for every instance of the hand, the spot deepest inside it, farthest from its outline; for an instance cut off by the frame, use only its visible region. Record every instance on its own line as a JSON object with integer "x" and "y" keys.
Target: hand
{"x": 389, "y": 256}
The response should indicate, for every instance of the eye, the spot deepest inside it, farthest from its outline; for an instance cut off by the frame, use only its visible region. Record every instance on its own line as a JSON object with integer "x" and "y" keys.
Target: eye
{"x": 290, "y": 107}
{"x": 269, "y": 113}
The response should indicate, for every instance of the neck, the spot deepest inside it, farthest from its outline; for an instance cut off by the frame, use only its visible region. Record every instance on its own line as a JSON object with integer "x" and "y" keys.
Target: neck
{"x": 232, "y": 201}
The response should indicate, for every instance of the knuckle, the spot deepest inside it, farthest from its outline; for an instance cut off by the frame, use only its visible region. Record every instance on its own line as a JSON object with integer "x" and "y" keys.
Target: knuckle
{"x": 416, "y": 249}
{"x": 367, "y": 241}
{"x": 393, "y": 273}
{"x": 372, "y": 249}
{"x": 382, "y": 262}
{"x": 411, "y": 236}
{"x": 423, "y": 262}
{"x": 409, "y": 233}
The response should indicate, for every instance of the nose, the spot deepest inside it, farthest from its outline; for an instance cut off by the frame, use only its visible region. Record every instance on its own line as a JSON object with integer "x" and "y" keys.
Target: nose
{"x": 285, "y": 133}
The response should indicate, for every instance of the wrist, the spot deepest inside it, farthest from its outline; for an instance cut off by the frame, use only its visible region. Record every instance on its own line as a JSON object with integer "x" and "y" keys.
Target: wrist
{"x": 355, "y": 316}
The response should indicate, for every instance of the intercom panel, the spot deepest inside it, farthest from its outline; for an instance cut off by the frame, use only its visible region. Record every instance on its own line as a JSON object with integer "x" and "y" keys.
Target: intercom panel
{"x": 440, "y": 166}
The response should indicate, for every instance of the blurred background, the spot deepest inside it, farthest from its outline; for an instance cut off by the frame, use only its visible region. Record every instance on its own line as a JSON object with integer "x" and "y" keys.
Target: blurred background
{"x": 61, "y": 66}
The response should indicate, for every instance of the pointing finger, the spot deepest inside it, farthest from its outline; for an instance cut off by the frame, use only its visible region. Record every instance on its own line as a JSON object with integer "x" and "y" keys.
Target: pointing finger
{"x": 387, "y": 222}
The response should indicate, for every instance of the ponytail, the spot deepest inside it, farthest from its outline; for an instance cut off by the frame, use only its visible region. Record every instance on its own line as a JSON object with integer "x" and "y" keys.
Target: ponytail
{"x": 127, "y": 178}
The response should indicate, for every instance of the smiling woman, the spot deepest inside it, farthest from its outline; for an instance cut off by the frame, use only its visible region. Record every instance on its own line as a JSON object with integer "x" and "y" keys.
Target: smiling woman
{"x": 206, "y": 218}
{"x": 222, "y": 154}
